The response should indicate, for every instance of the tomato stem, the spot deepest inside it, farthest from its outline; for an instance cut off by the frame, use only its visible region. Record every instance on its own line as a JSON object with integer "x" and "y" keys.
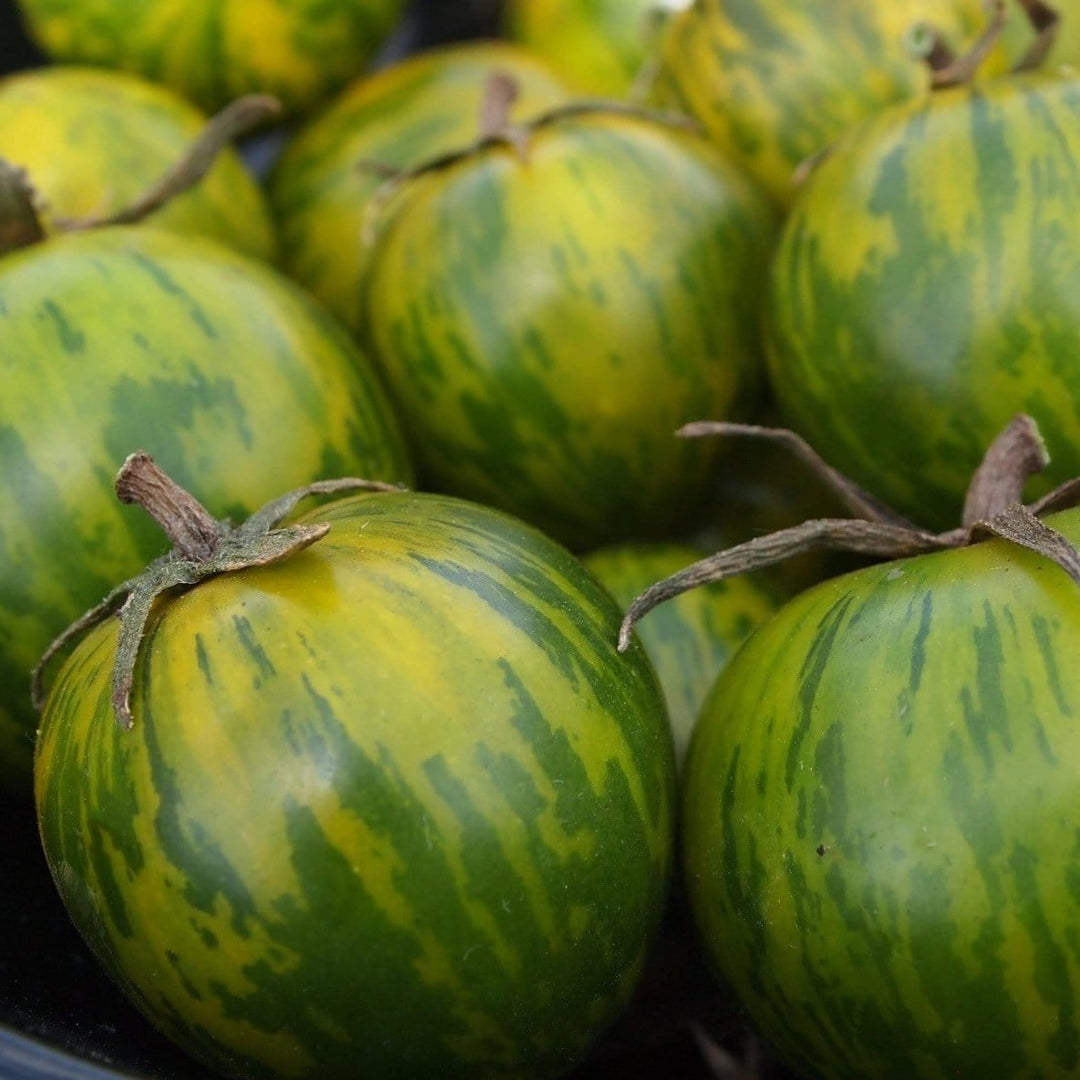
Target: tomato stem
{"x": 201, "y": 548}
{"x": 191, "y": 530}
{"x": 946, "y": 68}
{"x": 20, "y": 224}
{"x": 992, "y": 508}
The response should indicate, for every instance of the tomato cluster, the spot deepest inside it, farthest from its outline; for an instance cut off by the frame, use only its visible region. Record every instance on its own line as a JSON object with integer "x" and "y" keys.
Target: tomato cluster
{"x": 394, "y": 786}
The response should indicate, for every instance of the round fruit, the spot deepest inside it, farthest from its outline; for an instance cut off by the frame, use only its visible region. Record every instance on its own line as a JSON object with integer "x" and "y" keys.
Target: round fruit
{"x": 92, "y": 142}
{"x": 212, "y": 51}
{"x": 135, "y": 337}
{"x": 928, "y": 275}
{"x": 394, "y": 806}
{"x": 879, "y": 820}
{"x": 775, "y": 82}
{"x": 549, "y": 308}
{"x": 323, "y": 185}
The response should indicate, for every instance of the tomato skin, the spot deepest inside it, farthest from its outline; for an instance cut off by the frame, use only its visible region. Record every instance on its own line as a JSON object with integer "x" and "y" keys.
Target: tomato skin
{"x": 395, "y": 802}
{"x": 598, "y": 46}
{"x": 775, "y": 83}
{"x": 879, "y": 819}
{"x": 129, "y": 338}
{"x": 547, "y": 315}
{"x": 94, "y": 141}
{"x": 692, "y": 637}
{"x": 928, "y": 274}
{"x": 396, "y": 118}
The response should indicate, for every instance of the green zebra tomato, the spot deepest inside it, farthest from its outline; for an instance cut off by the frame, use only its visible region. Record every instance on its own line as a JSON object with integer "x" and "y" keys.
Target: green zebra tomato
{"x": 928, "y": 275}
{"x": 599, "y": 46}
{"x": 691, "y": 638}
{"x": 212, "y": 51}
{"x": 881, "y": 813}
{"x": 394, "y": 806}
{"x": 549, "y": 308}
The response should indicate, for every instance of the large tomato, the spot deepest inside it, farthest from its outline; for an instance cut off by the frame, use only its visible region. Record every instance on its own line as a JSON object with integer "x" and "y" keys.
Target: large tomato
{"x": 925, "y": 289}
{"x": 549, "y": 308}
{"x": 880, "y": 820}
{"x": 334, "y": 167}
{"x": 394, "y": 806}
{"x": 775, "y": 82}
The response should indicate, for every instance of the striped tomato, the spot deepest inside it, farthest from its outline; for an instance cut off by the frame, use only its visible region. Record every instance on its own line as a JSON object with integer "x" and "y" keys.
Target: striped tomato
{"x": 549, "y": 308}
{"x": 881, "y": 805}
{"x": 124, "y": 337}
{"x": 93, "y": 142}
{"x": 212, "y": 51}
{"x": 324, "y": 183}
{"x": 774, "y": 82}
{"x": 928, "y": 275}
{"x": 693, "y": 637}
{"x": 597, "y": 45}
{"x": 394, "y": 806}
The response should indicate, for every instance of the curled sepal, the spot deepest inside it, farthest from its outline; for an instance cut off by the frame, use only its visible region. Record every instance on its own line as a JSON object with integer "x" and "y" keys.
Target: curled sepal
{"x": 1045, "y": 21}
{"x": 991, "y": 508}
{"x": 858, "y": 502}
{"x": 237, "y": 118}
{"x": 925, "y": 43}
{"x": 494, "y": 128}
{"x": 202, "y": 546}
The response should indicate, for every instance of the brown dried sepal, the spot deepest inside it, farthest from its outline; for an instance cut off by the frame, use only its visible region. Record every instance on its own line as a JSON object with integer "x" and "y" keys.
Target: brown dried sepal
{"x": 20, "y": 220}
{"x": 495, "y": 128}
{"x": 992, "y": 508}
{"x": 202, "y": 546}
{"x": 237, "y": 118}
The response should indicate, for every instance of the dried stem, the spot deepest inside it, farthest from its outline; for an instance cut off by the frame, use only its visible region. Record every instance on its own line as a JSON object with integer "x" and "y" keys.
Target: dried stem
{"x": 992, "y": 508}
{"x": 192, "y": 532}
{"x": 859, "y": 502}
{"x": 517, "y": 137}
{"x": 501, "y": 92}
{"x": 201, "y": 548}
{"x": 20, "y": 224}
{"x": 946, "y": 68}
{"x": 1017, "y": 454}
{"x": 236, "y": 119}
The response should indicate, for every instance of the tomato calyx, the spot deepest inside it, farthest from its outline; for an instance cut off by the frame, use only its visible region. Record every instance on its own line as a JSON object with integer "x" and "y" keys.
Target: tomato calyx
{"x": 946, "y": 68}
{"x": 21, "y": 212}
{"x": 927, "y": 44}
{"x": 494, "y": 129}
{"x": 992, "y": 507}
{"x": 202, "y": 546}
{"x": 20, "y": 220}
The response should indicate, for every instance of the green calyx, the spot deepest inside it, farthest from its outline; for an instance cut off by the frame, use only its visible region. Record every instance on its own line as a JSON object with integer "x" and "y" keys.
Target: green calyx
{"x": 202, "y": 546}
